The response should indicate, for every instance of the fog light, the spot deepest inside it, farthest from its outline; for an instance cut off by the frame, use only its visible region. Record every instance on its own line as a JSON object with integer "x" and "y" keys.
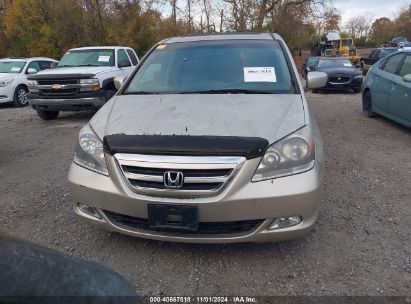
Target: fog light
{"x": 89, "y": 210}
{"x": 283, "y": 222}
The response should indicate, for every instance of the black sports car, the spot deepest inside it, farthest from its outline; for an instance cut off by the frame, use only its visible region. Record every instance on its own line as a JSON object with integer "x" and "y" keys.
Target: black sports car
{"x": 342, "y": 74}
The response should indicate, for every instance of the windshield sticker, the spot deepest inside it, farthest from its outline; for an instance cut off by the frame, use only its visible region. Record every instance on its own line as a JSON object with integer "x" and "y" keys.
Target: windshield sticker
{"x": 15, "y": 69}
{"x": 104, "y": 58}
{"x": 347, "y": 64}
{"x": 161, "y": 46}
{"x": 260, "y": 74}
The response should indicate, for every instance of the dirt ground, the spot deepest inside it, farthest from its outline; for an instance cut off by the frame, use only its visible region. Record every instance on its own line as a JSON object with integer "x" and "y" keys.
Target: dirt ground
{"x": 361, "y": 244}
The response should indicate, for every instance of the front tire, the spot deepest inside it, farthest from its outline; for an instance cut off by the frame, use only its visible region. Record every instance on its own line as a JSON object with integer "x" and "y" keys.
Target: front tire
{"x": 47, "y": 115}
{"x": 367, "y": 105}
{"x": 20, "y": 97}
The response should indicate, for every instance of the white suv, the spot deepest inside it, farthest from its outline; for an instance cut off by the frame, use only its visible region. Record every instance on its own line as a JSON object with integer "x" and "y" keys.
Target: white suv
{"x": 13, "y": 77}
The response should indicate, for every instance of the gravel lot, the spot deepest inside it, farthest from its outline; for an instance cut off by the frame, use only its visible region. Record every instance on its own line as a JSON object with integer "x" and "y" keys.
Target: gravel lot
{"x": 361, "y": 244}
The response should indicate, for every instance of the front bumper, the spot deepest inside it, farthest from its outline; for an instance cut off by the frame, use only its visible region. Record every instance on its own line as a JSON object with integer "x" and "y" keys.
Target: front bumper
{"x": 84, "y": 101}
{"x": 240, "y": 201}
{"x": 354, "y": 84}
{"x": 6, "y": 94}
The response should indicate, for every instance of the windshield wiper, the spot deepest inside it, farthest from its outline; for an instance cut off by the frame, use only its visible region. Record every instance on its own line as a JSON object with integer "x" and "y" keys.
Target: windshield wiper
{"x": 140, "y": 93}
{"x": 65, "y": 66}
{"x": 228, "y": 91}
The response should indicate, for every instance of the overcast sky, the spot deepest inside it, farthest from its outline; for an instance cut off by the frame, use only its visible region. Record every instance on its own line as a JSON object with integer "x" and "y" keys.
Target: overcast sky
{"x": 375, "y": 8}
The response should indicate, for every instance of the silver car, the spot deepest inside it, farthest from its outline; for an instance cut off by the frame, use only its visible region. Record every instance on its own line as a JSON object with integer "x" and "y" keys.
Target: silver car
{"x": 210, "y": 140}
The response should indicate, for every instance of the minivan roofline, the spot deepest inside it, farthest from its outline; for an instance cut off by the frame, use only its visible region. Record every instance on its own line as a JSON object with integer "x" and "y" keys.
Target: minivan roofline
{"x": 223, "y": 36}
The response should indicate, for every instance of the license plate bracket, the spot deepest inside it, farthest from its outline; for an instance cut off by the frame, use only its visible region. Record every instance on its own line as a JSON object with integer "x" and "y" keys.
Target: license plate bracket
{"x": 174, "y": 217}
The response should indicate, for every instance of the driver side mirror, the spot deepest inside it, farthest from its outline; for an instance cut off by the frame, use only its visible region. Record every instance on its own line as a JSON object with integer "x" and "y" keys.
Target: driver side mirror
{"x": 407, "y": 78}
{"x": 119, "y": 81}
{"x": 316, "y": 80}
{"x": 31, "y": 71}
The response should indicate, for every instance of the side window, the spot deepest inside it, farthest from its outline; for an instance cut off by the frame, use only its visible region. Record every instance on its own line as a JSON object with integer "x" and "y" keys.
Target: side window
{"x": 44, "y": 65}
{"x": 392, "y": 63}
{"x": 374, "y": 54}
{"x": 34, "y": 65}
{"x": 406, "y": 67}
{"x": 133, "y": 56}
{"x": 123, "y": 60}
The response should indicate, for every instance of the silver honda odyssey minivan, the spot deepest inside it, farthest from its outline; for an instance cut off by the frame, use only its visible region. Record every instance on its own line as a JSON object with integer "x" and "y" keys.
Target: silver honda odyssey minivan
{"x": 210, "y": 140}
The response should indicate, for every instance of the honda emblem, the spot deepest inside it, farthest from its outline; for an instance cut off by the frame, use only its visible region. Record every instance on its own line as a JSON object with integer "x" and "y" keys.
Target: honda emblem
{"x": 173, "y": 179}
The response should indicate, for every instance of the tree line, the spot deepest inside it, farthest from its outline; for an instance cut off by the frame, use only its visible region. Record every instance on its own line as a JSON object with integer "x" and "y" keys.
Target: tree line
{"x": 50, "y": 27}
{"x": 369, "y": 31}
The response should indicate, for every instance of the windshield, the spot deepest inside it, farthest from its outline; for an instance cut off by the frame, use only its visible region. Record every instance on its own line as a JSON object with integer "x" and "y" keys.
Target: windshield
{"x": 11, "y": 66}
{"x": 97, "y": 57}
{"x": 235, "y": 66}
{"x": 347, "y": 42}
{"x": 312, "y": 61}
{"x": 337, "y": 63}
{"x": 384, "y": 53}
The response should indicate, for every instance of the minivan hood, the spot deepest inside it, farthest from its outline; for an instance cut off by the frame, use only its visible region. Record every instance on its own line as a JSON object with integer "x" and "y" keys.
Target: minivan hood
{"x": 75, "y": 70}
{"x": 267, "y": 116}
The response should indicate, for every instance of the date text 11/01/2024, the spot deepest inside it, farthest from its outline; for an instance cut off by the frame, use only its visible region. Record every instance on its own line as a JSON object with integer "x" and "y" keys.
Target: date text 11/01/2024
{"x": 203, "y": 299}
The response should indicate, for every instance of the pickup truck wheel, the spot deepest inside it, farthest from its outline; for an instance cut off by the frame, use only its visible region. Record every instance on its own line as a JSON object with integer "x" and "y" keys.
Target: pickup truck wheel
{"x": 20, "y": 97}
{"x": 47, "y": 115}
{"x": 367, "y": 105}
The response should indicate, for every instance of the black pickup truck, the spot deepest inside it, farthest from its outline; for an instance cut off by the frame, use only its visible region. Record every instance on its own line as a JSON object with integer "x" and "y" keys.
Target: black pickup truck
{"x": 375, "y": 55}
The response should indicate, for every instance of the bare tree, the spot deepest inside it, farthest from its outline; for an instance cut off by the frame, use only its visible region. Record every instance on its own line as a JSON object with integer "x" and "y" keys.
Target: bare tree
{"x": 173, "y": 4}
{"x": 359, "y": 26}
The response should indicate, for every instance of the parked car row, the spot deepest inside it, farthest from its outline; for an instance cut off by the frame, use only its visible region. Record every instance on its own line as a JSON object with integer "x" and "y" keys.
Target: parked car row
{"x": 83, "y": 79}
{"x": 350, "y": 77}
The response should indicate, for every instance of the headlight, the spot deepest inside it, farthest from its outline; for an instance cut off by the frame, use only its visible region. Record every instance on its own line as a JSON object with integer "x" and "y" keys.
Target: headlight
{"x": 90, "y": 81}
{"x": 92, "y": 85}
{"x": 32, "y": 82}
{"x": 5, "y": 82}
{"x": 89, "y": 151}
{"x": 358, "y": 77}
{"x": 291, "y": 155}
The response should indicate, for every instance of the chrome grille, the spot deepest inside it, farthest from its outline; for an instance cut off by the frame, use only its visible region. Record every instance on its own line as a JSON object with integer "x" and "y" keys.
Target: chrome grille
{"x": 57, "y": 81}
{"x": 203, "y": 176}
{"x": 68, "y": 86}
{"x": 339, "y": 79}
